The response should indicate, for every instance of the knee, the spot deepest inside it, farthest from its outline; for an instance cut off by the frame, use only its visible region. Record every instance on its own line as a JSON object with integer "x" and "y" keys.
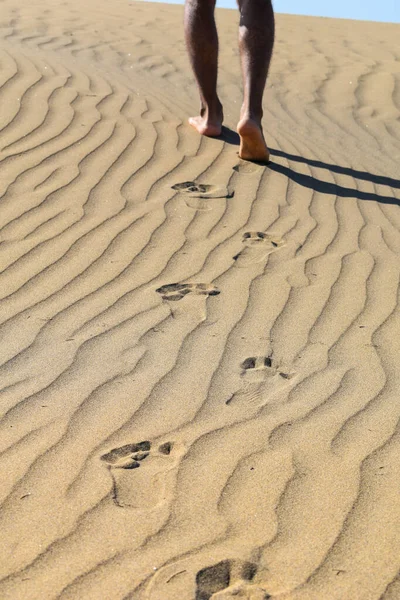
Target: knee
{"x": 264, "y": 5}
{"x": 201, "y": 4}
{"x": 257, "y": 14}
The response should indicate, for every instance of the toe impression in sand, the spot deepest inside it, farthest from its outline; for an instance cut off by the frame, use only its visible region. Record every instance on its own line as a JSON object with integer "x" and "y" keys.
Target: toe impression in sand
{"x": 139, "y": 473}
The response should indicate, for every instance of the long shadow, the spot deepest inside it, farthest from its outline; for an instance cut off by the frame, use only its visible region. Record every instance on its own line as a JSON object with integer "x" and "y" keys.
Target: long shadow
{"x": 378, "y": 179}
{"x": 330, "y": 188}
{"x": 318, "y": 185}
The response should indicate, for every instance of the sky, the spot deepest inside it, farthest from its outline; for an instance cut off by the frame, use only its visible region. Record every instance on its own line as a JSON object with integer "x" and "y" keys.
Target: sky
{"x": 367, "y": 10}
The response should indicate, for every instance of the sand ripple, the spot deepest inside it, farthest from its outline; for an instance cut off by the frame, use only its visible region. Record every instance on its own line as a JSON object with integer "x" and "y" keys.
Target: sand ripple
{"x": 199, "y": 358}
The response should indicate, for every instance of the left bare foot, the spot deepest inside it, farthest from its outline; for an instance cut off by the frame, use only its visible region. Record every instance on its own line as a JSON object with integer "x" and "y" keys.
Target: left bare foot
{"x": 208, "y": 123}
{"x": 205, "y": 127}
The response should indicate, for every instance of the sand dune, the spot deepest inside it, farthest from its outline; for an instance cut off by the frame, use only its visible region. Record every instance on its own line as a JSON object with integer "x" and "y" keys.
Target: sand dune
{"x": 199, "y": 358}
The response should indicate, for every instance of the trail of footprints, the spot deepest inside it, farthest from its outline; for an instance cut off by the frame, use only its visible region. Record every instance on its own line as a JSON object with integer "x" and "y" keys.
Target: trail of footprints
{"x": 142, "y": 473}
{"x": 139, "y": 470}
{"x": 146, "y": 489}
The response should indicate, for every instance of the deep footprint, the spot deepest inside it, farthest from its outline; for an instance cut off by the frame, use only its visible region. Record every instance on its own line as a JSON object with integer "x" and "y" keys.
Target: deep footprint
{"x": 176, "y": 291}
{"x": 200, "y": 189}
{"x": 229, "y": 579}
{"x": 127, "y": 457}
{"x": 199, "y": 196}
{"x": 145, "y": 487}
{"x": 191, "y": 187}
{"x": 258, "y": 245}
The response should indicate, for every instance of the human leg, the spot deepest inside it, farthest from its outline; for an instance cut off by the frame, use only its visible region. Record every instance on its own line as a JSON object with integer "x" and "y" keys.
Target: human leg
{"x": 202, "y": 44}
{"x": 256, "y": 40}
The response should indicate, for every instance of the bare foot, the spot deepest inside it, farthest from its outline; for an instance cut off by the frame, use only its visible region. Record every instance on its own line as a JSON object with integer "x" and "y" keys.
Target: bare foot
{"x": 207, "y": 123}
{"x": 252, "y": 142}
{"x": 205, "y": 127}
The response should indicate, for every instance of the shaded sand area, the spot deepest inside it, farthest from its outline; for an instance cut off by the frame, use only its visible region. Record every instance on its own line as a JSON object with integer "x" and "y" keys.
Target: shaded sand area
{"x": 200, "y": 356}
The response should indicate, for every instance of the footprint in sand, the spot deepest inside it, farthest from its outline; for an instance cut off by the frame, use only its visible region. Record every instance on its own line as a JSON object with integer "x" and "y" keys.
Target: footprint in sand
{"x": 264, "y": 381}
{"x": 199, "y": 195}
{"x": 258, "y": 245}
{"x": 176, "y": 291}
{"x": 229, "y": 579}
{"x": 191, "y": 187}
{"x": 139, "y": 473}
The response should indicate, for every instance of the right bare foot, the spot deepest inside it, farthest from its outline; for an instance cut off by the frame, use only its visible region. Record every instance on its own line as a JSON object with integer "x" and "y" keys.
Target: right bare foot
{"x": 252, "y": 142}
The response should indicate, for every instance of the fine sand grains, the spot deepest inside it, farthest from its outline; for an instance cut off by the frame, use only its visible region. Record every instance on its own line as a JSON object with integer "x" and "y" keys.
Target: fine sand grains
{"x": 199, "y": 366}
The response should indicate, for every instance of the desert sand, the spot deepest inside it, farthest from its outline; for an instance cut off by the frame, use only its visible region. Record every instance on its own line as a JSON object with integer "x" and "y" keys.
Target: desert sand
{"x": 199, "y": 355}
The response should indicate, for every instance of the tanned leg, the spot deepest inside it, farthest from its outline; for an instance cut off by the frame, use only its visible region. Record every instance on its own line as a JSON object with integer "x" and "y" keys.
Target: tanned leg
{"x": 202, "y": 44}
{"x": 256, "y": 41}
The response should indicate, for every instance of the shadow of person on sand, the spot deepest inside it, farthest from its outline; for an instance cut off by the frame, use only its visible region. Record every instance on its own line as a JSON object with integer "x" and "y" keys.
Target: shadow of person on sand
{"x": 319, "y": 185}
{"x": 229, "y": 136}
{"x": 326, "y": 187}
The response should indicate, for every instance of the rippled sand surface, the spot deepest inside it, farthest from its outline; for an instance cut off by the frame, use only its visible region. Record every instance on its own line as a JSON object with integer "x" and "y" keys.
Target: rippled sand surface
{"x": 199, "y": 356}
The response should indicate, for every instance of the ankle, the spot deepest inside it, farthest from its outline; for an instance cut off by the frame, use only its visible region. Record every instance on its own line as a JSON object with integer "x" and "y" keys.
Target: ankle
{"x": 247, "y": 114}
{"x": 212, "y": 110}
